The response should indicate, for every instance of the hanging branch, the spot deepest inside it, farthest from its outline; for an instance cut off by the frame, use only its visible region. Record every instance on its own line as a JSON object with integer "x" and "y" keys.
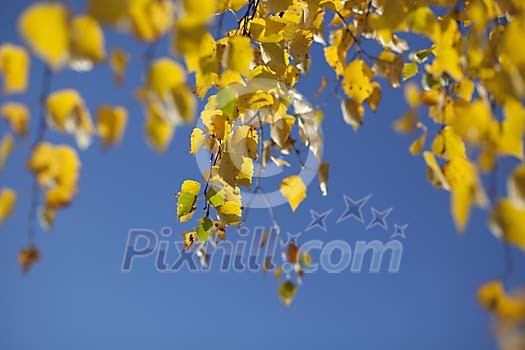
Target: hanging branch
{"x": 42, "y": 127}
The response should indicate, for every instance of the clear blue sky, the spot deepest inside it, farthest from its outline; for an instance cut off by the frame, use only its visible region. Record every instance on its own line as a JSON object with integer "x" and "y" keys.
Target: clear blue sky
{"x": 77, "y": 297}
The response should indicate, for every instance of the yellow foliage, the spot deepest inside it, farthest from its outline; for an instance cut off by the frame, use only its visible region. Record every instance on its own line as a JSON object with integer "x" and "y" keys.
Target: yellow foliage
{"x": 44, "y": 26}
{"x": 87, "y": 43}
{"x": 111, "y": 124}
{"x": 14, "y": 66}
{"x": 294, "y": 190}
{"x": 7, "y": 203}
{"x": 17, "y": 115}
{"x": 67, "y": 112}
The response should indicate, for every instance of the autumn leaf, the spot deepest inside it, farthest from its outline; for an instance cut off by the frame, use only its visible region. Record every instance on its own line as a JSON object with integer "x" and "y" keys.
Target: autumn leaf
{"x": 294, "y": 190}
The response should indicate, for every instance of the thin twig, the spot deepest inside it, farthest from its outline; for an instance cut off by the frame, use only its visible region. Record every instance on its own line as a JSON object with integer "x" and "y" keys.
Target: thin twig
{"x": 42, "y": 127}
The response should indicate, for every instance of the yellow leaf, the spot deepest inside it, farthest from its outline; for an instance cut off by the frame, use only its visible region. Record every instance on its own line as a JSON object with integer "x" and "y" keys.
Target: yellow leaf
{"x": 109, "y": 12}
{"x": 150, "y": 19}
{"x": 159, "y": 131}
{"x": 390, "y": 66}
{"x": 234, "y": 5}
{"x": 87, "y": 43}
{"x": 275, "y": 57}
{"x": 466, "y": 189}
{"x": 429, "y": 97}
{"x": 17, "y": 115}
{"x": 245, "y": 140}
{"x": 196, "y": 140}
{"x": 216, "y": 123}
{"x": 67, "y": 112}
{"x": 510, "y": 139}
{"x": 412, "y": 95}
{"x": 300, "y": 48}
{"x": 27, "y": 257}
{"x": 294, "y": 190}
{"x": 189, "y": 239}
{"x": 464, "y": 89}
{"x": 448, "y": 144}
{"x": 287, "y": 292}
{"x": 335, "y": 55}
{"x": 417, "y": 146}
{"x": 6, "y": 146}
{"x": 516, "y": 186}
{"x": 166, "y": 89}
{"x": 111, "y": 124}
{"x": 374, "y": 99}
{"x": 189, "y": 36}
{"x": 245, "y": 175}
{"x": 447, "y": 50}
{"x": 434, "y": 173}
{"x": 118, "y": 61}
{"x": 278, "y": 272}
{"x": 57, "y": 170}
{"x": 14, "y": 66}
{"x": 407, "y": 123}
{"x": 357, "y": 84}
{"x": 230, "y": 213}
{"x": 191, "y": 186}
{"x": 7, "y": 203}
{"x": 489, "y": 294}
{"x": 239, "y": 54}
{"x": 164, "y": 75}
{"x": 352, "y": 113}
{"x": 200, "y": 10}
{"x": 281, "y": 128}
{"x": 487, "y": 158}
{"x": 44, "y": 27}
{"x": 492, "y": 297}
{"x": 473, "y": 121}
{"x": 508, "y": 222}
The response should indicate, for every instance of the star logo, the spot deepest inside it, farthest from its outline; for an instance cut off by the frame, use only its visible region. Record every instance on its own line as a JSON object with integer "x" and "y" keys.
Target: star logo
{"x": 354, "y": 208}
{"x": 318, "y": 220}
{"x": 292, "y": 238}
{"x": 379, "y": 218}
{"x": 399, "y": 231}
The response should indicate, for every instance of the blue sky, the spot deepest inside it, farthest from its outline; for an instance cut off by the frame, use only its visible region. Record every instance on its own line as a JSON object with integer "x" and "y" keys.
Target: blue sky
{"x": 77, "y": 297}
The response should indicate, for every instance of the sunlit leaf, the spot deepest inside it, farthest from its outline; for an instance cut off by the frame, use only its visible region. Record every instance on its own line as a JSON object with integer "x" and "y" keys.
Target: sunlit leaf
{"x": 111, "y": 124}
{"x": 86, "y": 43}
{"x": 119, "y": 61}
{"x": 44, "y": 26}
{"x": 294, "y": 190}
{"x": 67, "y": 112}
{"x": 14, "y": 67}
{"x": 7, "y": 203}
{"x": 6, "y": 146}
{"x": 17, "y": 115}
{"x": 508, "y": 223}
{"x": 187, "y": 199}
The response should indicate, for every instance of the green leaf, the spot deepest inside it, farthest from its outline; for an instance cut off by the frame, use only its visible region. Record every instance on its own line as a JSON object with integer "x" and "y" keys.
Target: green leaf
{"x": 187, "y": 198}
{"x": 227, "y": 102}
{"x": 409, "y": 70}
{"x": 216, "y": 197}
{"x": 204, "y": 229}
